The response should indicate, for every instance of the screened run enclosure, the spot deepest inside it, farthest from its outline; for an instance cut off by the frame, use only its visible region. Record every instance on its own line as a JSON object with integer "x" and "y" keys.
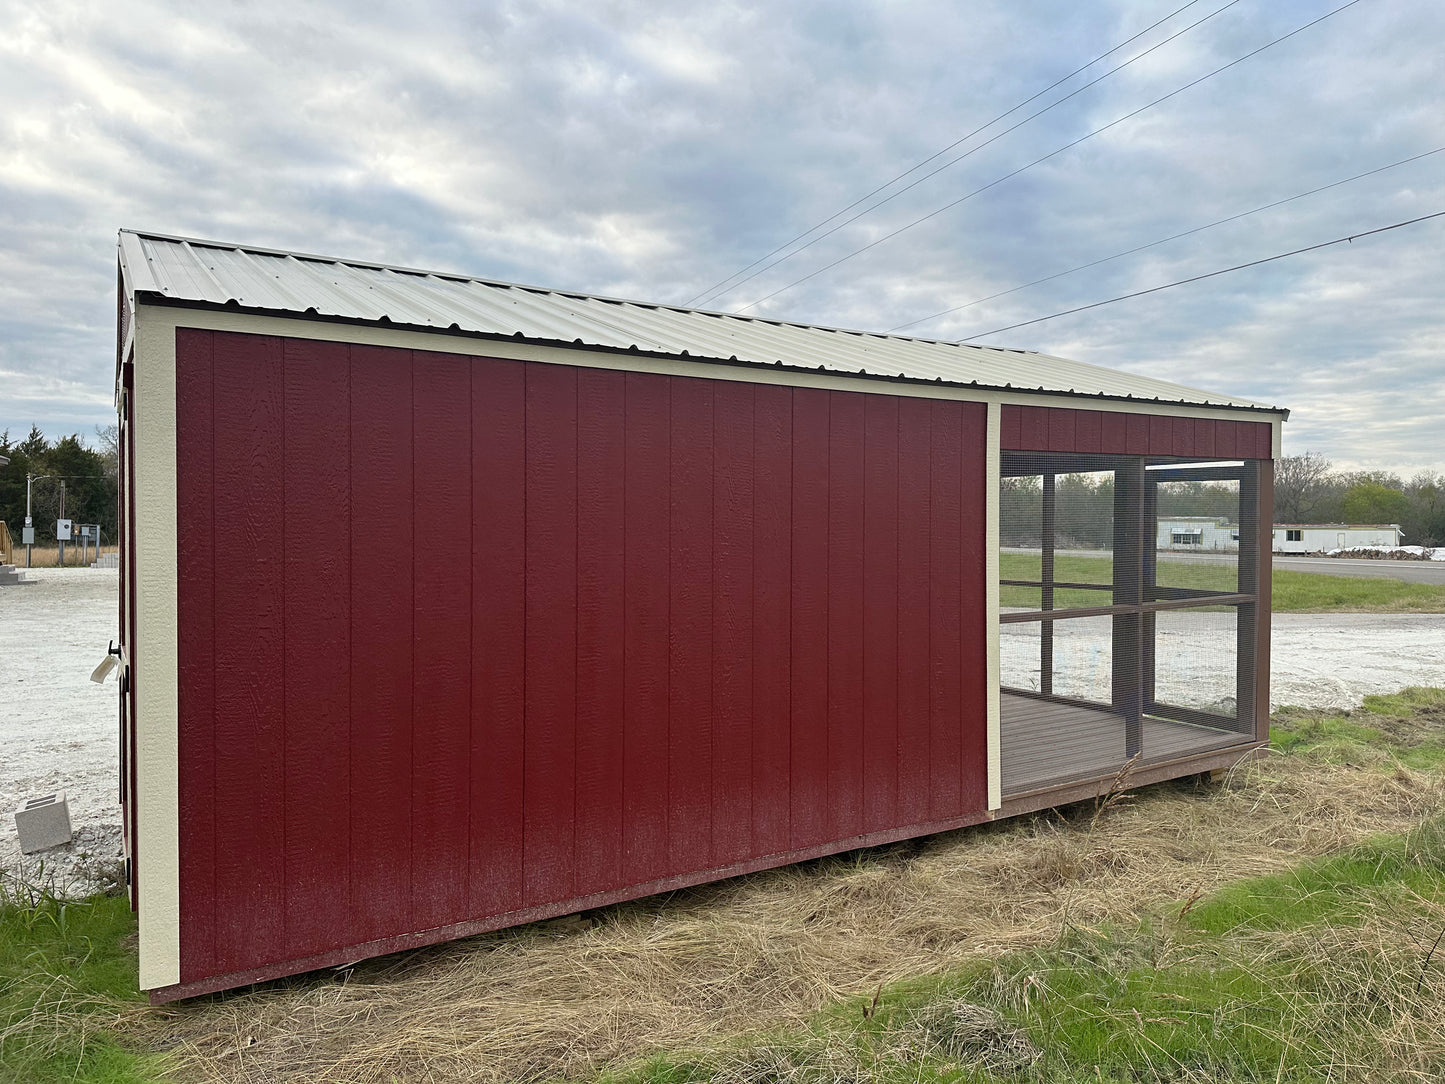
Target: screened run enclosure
{"x": 1115, "y": 647}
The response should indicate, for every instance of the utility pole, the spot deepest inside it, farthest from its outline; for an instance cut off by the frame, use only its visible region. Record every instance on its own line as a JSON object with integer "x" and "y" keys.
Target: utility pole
{"x": 60, "y": 541}
{"x": 29, "y": 536}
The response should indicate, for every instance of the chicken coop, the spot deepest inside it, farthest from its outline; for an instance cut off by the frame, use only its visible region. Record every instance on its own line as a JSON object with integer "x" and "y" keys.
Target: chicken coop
{"x": 451, "y": 604}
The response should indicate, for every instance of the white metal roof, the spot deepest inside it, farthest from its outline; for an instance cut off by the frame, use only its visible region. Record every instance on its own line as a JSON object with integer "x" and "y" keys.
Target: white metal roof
{"x": 183, "y": 270}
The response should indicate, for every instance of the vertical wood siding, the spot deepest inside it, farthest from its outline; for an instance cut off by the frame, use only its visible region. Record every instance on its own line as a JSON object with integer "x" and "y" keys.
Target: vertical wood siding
{"x": 462, "y": 636}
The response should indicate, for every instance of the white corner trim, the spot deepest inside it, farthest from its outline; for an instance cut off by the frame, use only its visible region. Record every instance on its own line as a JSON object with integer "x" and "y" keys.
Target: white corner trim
{"x": 154, "y": 654}
{"x": 993, "y": 467}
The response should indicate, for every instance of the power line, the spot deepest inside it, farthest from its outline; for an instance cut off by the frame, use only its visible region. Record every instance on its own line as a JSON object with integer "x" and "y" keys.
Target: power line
{"x": 1045, "y": 158}
{"x": 930, "y": 158}
{"x": 1164, "y": 240}
{"x": 1209, "y": 275}
{"x": 954, "y": 161}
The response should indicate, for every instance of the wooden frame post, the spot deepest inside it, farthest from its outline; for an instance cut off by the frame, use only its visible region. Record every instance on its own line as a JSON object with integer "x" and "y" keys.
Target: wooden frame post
{"x": 1129, "y": 548}
{"x": 1046, "y": 575}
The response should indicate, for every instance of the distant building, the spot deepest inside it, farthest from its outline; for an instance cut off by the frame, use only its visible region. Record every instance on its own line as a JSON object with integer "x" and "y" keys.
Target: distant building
{"x": 1321, "y": 537}
{"x": 1197, "y": 533}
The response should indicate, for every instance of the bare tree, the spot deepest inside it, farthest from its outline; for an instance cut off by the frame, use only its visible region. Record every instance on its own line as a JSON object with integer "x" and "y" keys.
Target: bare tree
{"x": 108, "y": 436}
{"x": 1298, "y": 481}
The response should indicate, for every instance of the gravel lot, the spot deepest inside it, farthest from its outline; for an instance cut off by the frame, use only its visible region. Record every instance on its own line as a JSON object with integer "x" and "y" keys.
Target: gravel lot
{"x": 58, "y": 730}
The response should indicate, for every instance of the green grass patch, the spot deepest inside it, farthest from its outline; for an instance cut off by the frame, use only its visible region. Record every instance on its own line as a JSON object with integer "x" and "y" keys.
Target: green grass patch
{"x": 1311, "y": 592}
{"x": 1416, "y": 700}
{"x": 1071, "y": 568}
{"x": 1405, "y": 728}
{"x": 1346, "y": 888}
{"x": 1291, "y": 592}
{"x": 67, "y": 968}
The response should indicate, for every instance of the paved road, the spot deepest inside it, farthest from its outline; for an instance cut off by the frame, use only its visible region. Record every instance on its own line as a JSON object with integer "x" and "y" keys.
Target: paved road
{"x": 1409, "y": 571}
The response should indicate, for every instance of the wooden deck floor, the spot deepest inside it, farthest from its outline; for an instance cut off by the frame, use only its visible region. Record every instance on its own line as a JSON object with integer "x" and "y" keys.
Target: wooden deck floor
{"x": 1044, "y": 743}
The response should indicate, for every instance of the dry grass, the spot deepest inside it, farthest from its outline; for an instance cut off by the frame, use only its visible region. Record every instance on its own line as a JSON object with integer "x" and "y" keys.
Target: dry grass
{"x": 49, "y": 556}
{"x": 567, "y": 998}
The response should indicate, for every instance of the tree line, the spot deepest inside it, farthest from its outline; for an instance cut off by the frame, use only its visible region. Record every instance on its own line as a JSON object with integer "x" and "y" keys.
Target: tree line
{"x": 1307, "y": 489}
{"x": 1084, "y": 507}
{"x": 89, "y": 474}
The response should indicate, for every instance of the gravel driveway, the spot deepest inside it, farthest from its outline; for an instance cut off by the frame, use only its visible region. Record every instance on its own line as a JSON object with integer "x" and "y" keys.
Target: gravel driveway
{"x": 58, "y": 729}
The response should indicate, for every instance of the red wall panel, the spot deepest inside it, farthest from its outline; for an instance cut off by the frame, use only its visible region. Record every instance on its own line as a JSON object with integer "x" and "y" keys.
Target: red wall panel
{"x": 1063, "y": 429}
{"x": 846, "y": 616}
{"x": 973, "y": 658}
{"x": 248, "y": 788}
{"x": 944, "y": 615}
{"x": 498, "y": 596}
{"x": 601, "y": 462}
{"x": 772, "y": 618}
{"x": 809, "y": 619}
{"x": 732, "y": 623}
{"x": 381, "y": 545}
{"x": 647, "y": 510}
{"x": 550, "y": 753}
{"x": 465, "y": 637}
{"x": 880, "y": 621}
{"x": 690, "y": 604}
{"x": 316, "y": 589}
{"x": 441, "y": 637}
{"x": 915, "y": 445}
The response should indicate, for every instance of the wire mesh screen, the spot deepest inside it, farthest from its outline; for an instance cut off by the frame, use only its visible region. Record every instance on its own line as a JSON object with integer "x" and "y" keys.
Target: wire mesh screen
{"x": 1196, "y": 660}
{"x": 1197, "y": 528}
{"x": 1077, "y": 518}
{"x": 1082, "y": 660}
{"x": 1127, "y": 590}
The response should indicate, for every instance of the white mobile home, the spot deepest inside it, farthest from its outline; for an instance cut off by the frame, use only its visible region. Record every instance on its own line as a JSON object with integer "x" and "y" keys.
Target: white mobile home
{"x": 1197, "y": 533}
{"x": 1322, "y": 537}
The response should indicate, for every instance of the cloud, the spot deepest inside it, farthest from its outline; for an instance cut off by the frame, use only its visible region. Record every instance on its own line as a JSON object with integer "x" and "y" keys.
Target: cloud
{"x": 652, "y": 149}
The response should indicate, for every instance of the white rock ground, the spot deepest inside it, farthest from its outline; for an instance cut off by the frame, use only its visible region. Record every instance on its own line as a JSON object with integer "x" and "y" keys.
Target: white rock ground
{"x": 59, "y": 731}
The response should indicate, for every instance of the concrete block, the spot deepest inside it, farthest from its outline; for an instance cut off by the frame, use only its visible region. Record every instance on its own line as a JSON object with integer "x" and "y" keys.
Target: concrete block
{"x": 43, "y": 823}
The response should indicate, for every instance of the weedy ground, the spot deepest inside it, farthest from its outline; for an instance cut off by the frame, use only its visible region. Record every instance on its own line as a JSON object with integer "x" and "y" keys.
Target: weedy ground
{"x": 49, "y": 556}
{"x": 1278, "y": 924}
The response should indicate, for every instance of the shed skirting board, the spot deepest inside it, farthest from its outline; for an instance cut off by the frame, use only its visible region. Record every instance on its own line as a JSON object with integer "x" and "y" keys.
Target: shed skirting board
{"x": 155, "y": 654}
{"x": 367, "y": 950}
{"x": 992, "y": 480}
{"x": 441, "y": 341}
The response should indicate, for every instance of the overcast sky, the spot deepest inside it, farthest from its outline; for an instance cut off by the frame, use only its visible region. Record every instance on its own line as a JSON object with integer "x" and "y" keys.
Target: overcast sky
{"x": 650, "y": 150}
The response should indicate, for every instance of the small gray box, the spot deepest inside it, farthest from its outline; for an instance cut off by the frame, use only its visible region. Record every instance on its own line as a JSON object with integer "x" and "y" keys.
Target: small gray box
{"x": 43, "y": 823}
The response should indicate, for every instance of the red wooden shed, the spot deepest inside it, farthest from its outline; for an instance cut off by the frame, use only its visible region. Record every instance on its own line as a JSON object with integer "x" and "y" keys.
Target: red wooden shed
{"x": 452, "y": 604}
